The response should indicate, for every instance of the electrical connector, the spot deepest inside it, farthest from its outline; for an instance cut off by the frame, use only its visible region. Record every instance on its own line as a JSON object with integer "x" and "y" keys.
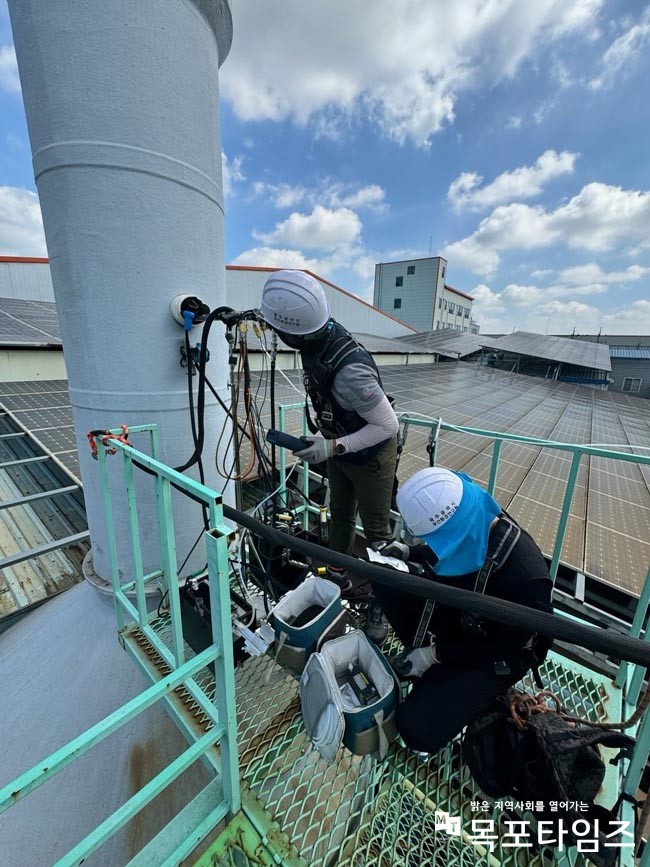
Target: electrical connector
{"x": 182, "y": 305}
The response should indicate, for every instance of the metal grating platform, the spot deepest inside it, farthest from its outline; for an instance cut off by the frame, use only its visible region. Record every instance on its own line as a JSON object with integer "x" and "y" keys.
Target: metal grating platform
{"x": 358, "y": 812}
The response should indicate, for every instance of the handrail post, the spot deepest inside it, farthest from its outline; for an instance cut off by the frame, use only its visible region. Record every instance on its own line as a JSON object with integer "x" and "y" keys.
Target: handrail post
{"x": 305, "y": 476}
{"x": 564, "y": 517}
{"x": 283, "y": 461}
{"x": 494, "y": 466}
{"x": 134, "y": 533}
{"x": 110, "y": 534}
{"x": 638, "y": 671}
{"x": 169, "y": 566}
{"x": 216, "y": 540}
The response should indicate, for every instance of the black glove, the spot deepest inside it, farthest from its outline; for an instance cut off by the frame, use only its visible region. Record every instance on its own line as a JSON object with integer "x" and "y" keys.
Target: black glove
{"x": 392, "y": 549}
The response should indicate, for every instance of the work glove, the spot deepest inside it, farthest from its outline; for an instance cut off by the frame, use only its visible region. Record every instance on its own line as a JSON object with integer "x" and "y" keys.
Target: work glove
{"x": 414, "y": 662}
{"x": 392, "y": 549}
{"x": 318, "y": 450}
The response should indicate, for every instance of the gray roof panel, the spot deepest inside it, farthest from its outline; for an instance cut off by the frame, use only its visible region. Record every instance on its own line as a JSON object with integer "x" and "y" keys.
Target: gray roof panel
{"x": 563, "y": 349}
{"x": 448, "y": 342}
{"x": 642, "y": 352}
{"x": 28, "y": 323}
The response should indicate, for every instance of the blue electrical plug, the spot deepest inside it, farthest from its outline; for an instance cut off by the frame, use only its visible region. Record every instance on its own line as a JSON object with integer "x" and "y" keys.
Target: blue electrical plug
{"x": 188, "y": 318}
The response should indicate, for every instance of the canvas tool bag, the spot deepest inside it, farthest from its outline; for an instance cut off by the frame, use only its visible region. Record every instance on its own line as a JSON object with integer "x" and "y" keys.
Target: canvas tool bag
{"x": 304, "y": 618}
{"x": 332, "y": 714}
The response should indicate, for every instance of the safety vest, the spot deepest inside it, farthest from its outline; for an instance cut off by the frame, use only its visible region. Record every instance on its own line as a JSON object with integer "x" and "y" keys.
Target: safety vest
{"x": 332, "y": 420}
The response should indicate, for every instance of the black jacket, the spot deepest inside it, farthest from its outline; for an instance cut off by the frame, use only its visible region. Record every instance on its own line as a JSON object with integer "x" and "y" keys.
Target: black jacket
{"x": 523, "y": 578}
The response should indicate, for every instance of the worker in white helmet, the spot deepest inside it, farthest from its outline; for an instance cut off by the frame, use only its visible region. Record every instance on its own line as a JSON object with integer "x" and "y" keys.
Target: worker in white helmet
{"x": 462, "y": 661}
{"x": 354, "y": 426}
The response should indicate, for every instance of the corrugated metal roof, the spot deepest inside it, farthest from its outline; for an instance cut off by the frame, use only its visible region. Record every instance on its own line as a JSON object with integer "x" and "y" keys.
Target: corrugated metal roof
{"x": 43, "y": 529}
{"x": 562, "y": 349}
{"x": 629, "y": 352}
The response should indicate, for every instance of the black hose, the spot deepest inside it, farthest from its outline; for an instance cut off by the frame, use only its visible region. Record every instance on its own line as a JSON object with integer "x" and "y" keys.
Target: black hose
{"x": 509, "y": 613}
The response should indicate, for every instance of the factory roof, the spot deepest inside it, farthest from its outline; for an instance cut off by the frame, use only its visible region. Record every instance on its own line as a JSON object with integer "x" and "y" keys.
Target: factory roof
{"x": 642, "y": 352}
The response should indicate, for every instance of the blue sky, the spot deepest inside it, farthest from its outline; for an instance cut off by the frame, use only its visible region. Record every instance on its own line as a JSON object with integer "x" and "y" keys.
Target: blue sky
{"x": 511, "y": 137}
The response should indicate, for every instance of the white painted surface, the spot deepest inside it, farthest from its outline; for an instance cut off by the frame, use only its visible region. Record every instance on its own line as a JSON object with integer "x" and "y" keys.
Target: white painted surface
{"x": 122, "y": 108}
{"x": 18, "y": 365}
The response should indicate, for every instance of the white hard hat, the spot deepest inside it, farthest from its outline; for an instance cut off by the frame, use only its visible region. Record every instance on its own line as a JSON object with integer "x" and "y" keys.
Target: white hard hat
{"x": 428, "y": 499}
{"x": 294, "y": 302}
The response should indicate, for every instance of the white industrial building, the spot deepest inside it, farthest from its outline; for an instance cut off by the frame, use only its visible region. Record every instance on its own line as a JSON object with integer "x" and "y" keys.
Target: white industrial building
{"x": 416, "y": 291}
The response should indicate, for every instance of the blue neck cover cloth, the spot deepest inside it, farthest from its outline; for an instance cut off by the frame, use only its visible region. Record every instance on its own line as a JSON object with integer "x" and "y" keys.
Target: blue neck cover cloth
{"x": 460, "y": 544}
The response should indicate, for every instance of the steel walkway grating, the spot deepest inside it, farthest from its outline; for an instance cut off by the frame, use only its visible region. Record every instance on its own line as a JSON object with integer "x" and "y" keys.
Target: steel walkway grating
{"x": 361, "y": 813}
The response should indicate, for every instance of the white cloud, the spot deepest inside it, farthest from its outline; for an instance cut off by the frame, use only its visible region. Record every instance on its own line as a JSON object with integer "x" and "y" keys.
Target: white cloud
{"x": 282, "y": 195}
{"x": 467, "y": 192}
{"x": 232, "y": 173}
{"x": 634, "y": 319}
{"x": 599, "y": 218}
{"x": 331, "y": 194}
{"x": 21, "y": 225}
{"x": 623, "y": 52}
{"x": 402, "y": 68}
{"x": 268, "y": 257}
{"x": 584, "y": 275}
{"x": 514, "y": 122}
{"x": 371, "y": 197}
{"x": 528, "y": 308}
{"x": 323, "y": 229}
{"x": 9, "y": 79}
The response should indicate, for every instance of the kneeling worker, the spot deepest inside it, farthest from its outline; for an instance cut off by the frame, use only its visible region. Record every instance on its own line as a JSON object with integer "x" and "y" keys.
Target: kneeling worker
{"x": 355, "y": 425}
{"x": 465, "y": 661}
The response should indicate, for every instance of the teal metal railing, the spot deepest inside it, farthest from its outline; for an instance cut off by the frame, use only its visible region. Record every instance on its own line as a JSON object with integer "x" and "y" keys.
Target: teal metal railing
{"x": 220, "y": 710}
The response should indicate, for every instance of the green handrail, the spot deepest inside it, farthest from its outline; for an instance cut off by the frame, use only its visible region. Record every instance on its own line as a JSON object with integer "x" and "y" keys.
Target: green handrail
{"x": 219, "y": 709}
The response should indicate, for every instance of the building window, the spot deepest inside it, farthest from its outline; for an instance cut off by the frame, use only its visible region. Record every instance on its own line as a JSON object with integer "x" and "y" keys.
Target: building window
{"x": 632, "y": 383}
{"x": 444, "y": 304}
{"x": 467, "y": 312}
{"x": 399, "y": 281}
{"x": 458, "y": 327}
{"x": 397, "y": 303}
{"x": 444, "y": 271}
{"x": 410, "y": 269}
{"x": 465, "y": 329}
{"x": 452, "y": 307}
{"x": 440, "y": 303}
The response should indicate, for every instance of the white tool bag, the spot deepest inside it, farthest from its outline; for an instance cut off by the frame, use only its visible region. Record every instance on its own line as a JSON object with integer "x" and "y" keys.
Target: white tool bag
{"x": 306, "y": 617}
{"x": 337, "y": 710}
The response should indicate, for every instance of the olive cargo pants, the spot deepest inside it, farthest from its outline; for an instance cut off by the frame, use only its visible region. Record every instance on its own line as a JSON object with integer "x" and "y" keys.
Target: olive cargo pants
{"x": 369, "y": 488}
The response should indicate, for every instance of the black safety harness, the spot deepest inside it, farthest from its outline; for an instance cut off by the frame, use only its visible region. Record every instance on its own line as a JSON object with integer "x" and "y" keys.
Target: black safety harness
{"x": 332, "y": 420}
{"x": 503, "y": 538}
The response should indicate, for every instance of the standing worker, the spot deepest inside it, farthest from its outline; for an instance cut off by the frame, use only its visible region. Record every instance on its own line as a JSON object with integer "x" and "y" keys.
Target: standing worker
{"x": 460, "y": 661}
{"x": 355, "y": 427}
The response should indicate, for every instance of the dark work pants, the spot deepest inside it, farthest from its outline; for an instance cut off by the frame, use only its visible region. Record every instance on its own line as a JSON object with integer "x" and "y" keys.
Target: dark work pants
{"x": 444, "y": 700}
{"x": 446, "y": 697}
{"x": 367, "y": 487}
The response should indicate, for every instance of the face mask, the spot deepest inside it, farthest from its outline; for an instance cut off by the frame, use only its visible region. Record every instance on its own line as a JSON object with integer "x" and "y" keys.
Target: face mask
{"x": 304, "y": 341}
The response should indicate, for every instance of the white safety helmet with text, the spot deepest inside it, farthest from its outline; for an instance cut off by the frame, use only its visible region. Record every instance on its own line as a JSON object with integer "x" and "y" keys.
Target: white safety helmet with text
{"x": 294, "y": 303}
{"x": 428, "y": 499}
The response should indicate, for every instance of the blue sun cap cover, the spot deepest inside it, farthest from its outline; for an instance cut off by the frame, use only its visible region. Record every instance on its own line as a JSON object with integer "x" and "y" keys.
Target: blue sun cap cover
{"x": 460, "y": 544}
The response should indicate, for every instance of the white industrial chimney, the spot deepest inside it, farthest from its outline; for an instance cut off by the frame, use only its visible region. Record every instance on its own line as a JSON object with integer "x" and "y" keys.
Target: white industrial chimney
{"x": 122, "y": 108}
